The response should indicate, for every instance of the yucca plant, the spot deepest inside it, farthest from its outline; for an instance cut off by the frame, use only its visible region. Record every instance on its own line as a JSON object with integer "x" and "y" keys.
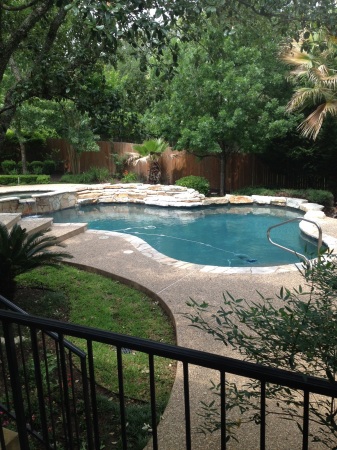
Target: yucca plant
{"x": 21, "y": 252}
{"x": 152, "y": 150}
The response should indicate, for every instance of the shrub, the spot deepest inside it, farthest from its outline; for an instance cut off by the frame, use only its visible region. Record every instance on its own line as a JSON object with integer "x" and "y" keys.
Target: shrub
{"x": 43, "y": 179}
{"x": 49, "y": 166}
{"x": 19, "y": 166}
{"x": 121, "y": 162}
{"x": 36, "y": 167}
{"x": 254, "y": 190}
{"x": 8, "y": 166}
{"x": 200, "y": 184}
{"x": 295, "y": 331}
{"x": 71, "y": 178}
{"x": 94, "y": 175}
{"x": 10, "y": 180}
{"x": 321, "y": 197}
{"x": 129, "y": 177}
{"x": 99, "y": 174}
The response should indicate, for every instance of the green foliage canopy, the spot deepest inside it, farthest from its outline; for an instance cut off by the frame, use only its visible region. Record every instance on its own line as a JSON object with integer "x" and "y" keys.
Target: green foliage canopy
{"x": 50, "y": 49}
{"x": 224, "y": 98}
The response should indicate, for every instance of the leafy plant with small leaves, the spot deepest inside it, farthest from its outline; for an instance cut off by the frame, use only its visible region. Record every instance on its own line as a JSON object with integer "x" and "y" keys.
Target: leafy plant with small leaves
{"x": 294, "y": 331}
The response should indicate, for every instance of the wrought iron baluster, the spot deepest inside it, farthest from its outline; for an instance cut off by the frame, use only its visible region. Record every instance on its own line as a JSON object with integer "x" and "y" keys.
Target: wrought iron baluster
{"x": 153, "y": 403}
{"x": 263, "y": 416}
{"x": 121, "y": 396}
{"x": 187, "y": 407}
{"x": 94, "y": 412}
{"x": 306, "y": 420}
{"x": 223, "y": 410}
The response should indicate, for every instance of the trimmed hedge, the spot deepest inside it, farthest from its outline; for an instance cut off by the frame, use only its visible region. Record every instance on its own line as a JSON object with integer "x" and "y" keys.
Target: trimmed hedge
{"x": 8, "y": 180}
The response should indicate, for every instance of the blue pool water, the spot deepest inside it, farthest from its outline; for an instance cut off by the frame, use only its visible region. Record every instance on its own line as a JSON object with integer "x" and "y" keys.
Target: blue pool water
{"x": 219, "y": 236}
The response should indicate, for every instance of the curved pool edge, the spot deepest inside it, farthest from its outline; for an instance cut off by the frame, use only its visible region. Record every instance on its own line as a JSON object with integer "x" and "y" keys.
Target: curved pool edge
{"x": 147, "y": 250}
{"x": 310, "y": 230}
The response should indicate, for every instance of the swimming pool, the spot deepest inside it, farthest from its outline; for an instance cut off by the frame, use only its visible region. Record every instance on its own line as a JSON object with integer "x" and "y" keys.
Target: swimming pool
{"x": 219, "y": 236}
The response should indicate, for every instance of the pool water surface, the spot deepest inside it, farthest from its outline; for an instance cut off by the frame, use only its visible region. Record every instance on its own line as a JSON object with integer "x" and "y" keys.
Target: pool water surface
{"x": 219, "y": 236}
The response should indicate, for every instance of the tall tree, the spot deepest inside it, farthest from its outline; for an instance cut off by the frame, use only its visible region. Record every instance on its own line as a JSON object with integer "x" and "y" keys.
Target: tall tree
{"x": 223, "y": 99}
{"x": 79, "y": 135}
{"x": 33, "y": 119}
{"x": 282, "y": 13}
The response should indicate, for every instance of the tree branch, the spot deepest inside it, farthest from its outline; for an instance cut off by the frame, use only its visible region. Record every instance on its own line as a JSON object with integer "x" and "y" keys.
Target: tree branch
{"x": 20, "y": 33}
{"x": 14, "y": 68}
{"x": 52, "y": 32}
{"x": 18, "y": 8}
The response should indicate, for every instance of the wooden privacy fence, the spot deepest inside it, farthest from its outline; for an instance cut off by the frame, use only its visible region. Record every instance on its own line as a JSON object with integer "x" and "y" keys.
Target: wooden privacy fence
{"x": 241, "y": 169}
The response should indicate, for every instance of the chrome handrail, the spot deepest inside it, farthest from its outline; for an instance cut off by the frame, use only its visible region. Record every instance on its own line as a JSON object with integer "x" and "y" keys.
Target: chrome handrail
{"x": 299, "y": 255}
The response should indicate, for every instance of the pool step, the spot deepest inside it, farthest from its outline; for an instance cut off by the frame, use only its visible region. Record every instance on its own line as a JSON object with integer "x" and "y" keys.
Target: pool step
{"x": 62, "y": 231}
{"x": 10, "y": 219}
{"x": 34, "y": 225}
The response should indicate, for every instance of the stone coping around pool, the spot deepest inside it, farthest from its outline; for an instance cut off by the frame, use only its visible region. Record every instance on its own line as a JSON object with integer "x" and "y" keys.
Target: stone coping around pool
{"x": 62, "y": 197}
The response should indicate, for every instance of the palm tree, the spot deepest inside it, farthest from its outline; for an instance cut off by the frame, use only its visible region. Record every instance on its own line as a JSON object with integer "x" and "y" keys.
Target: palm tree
{"x": 314, "y": 58}
{"x": 152, "y": 150}
{"x": 20, "y": 252}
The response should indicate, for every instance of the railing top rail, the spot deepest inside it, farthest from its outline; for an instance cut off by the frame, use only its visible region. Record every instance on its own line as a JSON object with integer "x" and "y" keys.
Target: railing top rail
{"x": 204, "y": 359}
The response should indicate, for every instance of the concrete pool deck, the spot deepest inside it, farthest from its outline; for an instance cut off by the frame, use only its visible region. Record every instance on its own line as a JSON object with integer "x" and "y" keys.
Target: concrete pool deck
{"x": 173, "y": 284}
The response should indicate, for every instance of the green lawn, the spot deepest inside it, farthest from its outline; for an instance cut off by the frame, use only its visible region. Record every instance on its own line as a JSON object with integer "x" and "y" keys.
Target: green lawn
{"x": 92, "y": 300}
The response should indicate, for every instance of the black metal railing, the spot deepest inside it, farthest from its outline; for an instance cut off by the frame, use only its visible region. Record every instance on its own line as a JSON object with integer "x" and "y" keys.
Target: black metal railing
{"x": 42, "y": 399}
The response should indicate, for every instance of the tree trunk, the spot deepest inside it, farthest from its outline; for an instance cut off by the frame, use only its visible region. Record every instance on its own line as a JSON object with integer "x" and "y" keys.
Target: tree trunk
{"x": 222, "y": 174}
{"x": 6, "y": 116}
{"x": 17, "y": 130}
{"x": 23, "y": 157}
{"x": 154, "y": 172}
{"x": 74, "y": 160}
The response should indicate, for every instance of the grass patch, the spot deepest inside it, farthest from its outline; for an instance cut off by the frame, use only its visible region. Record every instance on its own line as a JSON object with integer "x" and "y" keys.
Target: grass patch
{"x": 92, "y": 300}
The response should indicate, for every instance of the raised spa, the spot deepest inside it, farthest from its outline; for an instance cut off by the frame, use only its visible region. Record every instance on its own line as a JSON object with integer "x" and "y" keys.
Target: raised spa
{"x": 21, "y": 194}
{"x": 214, "y": 235}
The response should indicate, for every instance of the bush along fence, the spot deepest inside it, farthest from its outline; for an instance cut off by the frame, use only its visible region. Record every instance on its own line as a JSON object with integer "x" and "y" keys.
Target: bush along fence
{"x": 10, "y": 180}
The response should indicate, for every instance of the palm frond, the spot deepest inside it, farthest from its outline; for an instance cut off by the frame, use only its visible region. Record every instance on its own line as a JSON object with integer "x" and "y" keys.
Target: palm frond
{"x": 297, "y": 57}
{"x": 21, "y": 252}
{"x": 311, "y": 126}
{"x": 316, "y": 74}
{"x": 304, "y": 97}
{"x": 330, "y": 81}
{"x": 152, "y": 147}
